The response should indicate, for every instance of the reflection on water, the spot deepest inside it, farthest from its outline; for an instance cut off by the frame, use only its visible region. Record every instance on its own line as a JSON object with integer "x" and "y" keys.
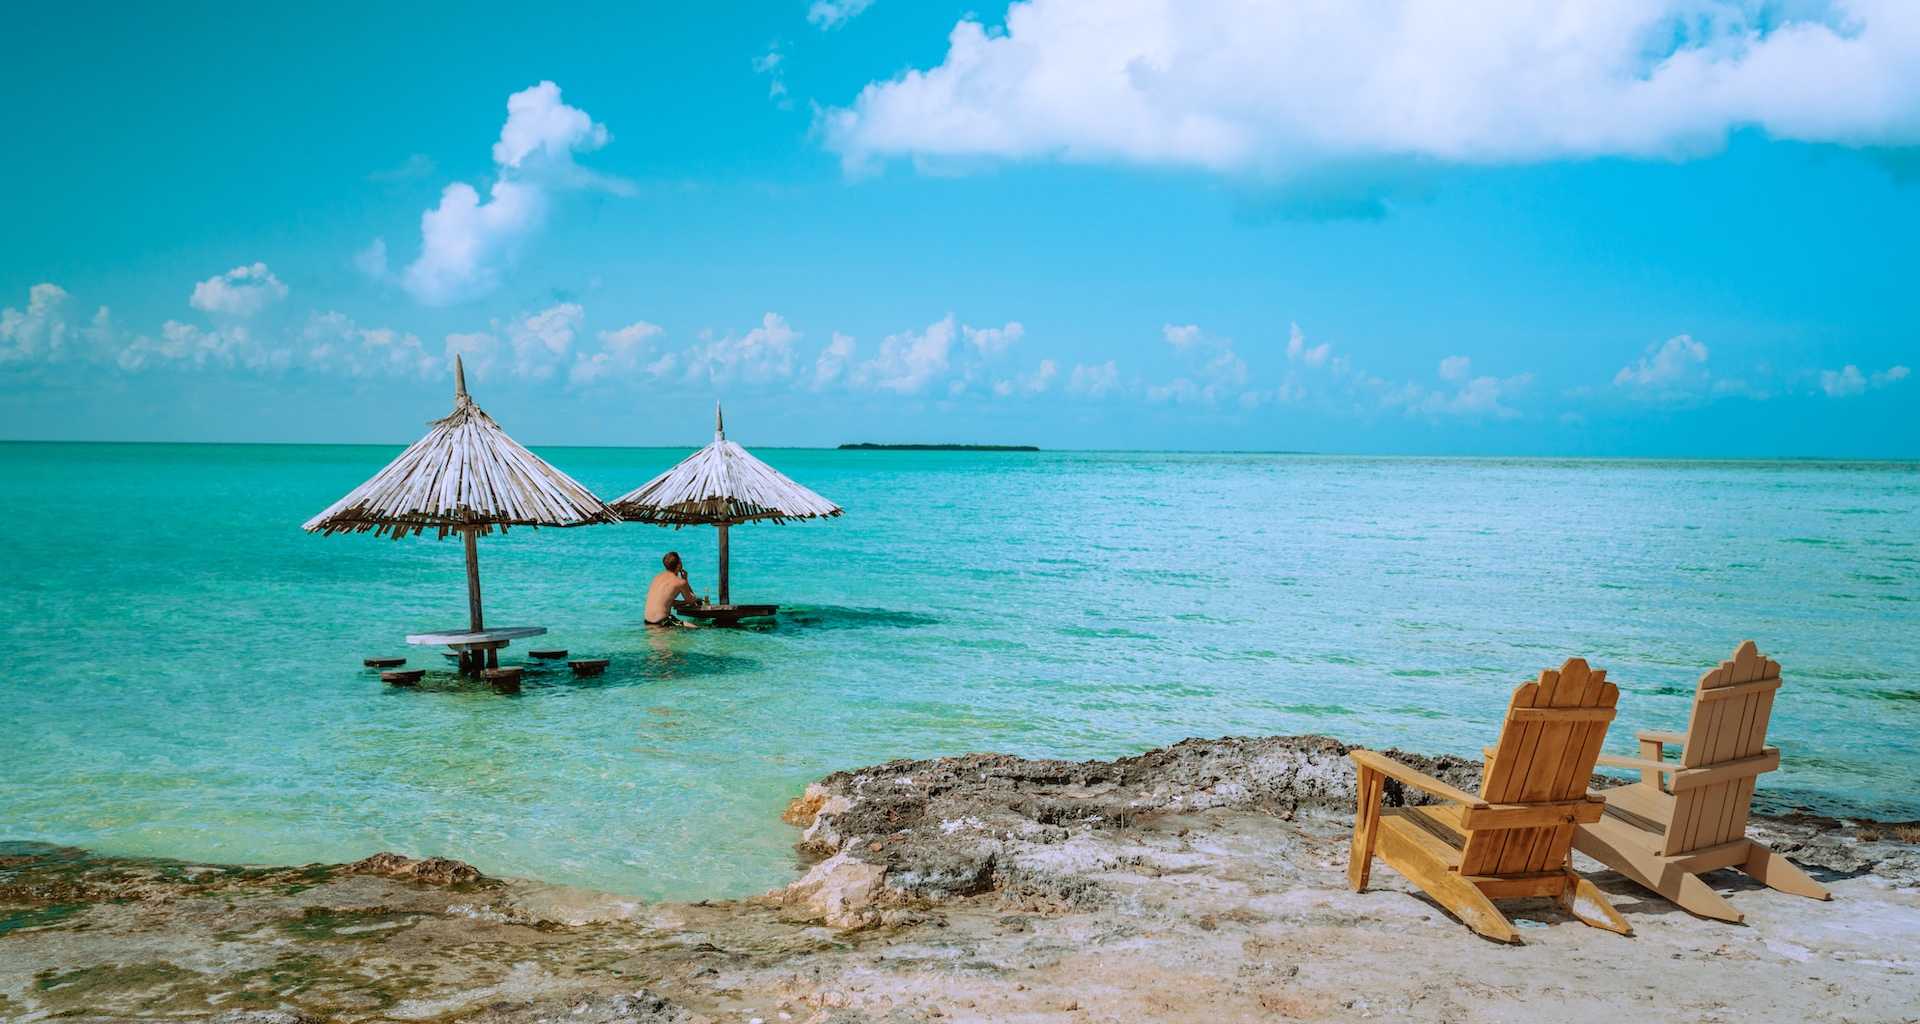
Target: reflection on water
{"x": 199, "y": 693}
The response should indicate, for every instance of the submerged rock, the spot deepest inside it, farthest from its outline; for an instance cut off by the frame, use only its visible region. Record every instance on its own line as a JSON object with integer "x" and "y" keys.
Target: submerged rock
{"x": 430, "y": 870}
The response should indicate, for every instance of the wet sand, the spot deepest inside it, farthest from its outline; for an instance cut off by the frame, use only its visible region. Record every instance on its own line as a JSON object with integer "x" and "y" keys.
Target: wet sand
{"x": 1201, "y": 882}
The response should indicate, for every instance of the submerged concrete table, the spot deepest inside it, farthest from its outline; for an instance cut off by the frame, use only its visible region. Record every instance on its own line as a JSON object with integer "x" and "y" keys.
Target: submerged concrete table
{"x": 479, "y": 648}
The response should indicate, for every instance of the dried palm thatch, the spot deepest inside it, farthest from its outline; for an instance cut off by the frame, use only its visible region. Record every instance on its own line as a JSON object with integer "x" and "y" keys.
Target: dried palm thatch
{"x": 467, "y": 477}
{"x": 721, "y": 485}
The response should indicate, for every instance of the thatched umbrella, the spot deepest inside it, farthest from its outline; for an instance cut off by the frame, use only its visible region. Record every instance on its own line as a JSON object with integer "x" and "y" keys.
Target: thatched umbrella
{"x": 721, "y": 484}
{"x": 465, "y": 476}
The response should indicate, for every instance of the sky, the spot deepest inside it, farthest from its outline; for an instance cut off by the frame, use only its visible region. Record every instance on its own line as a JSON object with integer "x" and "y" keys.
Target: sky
{"x": 1644, "y": 228}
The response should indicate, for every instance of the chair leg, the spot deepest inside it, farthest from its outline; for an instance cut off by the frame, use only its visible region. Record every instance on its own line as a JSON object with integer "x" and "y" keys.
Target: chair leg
{"x": 1777, "y": 872}
{"x": 1366, "y": 830}
{"x": 1589, "y": 905}
{"x": 1465, "y": 901}
{"x": 1697, "y": 897}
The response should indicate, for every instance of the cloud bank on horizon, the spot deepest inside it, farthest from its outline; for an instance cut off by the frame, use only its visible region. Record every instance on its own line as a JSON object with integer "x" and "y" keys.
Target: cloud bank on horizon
{"x": 1244, "y": 87}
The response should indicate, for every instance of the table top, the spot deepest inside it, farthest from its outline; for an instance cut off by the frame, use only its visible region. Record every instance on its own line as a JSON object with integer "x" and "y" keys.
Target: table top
{"x": 464, "y": 637}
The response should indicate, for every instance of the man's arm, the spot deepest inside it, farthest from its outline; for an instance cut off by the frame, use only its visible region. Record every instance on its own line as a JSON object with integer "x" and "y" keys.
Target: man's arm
{"x": 685, "y": 597}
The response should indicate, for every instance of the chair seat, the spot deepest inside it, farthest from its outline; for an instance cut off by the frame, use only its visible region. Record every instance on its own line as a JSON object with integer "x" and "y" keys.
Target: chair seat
{"x": 1434, "y": 829}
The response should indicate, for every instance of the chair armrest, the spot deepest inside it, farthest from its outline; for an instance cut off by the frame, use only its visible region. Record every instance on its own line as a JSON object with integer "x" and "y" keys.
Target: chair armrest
{"x": 1644, "y": 764}
{"x": 1659, "y": 736}
{"x": 1369, "y": 760}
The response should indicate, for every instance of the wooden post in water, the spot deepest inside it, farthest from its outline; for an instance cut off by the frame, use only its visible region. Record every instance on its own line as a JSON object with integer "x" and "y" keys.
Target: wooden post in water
{"x": 724, "y": 596}
{"x": 474, "y": 620}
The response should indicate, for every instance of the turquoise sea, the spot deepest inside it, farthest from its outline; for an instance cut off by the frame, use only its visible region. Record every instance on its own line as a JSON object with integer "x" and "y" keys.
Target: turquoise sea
{"x": 184, "y": 664}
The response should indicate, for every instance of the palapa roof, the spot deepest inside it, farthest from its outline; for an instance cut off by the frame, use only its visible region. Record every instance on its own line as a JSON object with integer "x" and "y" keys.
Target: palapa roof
{"x": 465, "y": 474}
{"x": 721, "y": 483}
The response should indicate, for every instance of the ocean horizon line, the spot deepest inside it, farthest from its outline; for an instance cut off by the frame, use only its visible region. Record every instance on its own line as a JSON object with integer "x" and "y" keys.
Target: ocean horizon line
{"x": 1042, "y": 450}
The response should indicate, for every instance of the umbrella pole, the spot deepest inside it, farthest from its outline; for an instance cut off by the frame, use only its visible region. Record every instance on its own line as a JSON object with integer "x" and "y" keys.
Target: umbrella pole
{"x": 472, "y": 659}
{"x": 724, "y": 597}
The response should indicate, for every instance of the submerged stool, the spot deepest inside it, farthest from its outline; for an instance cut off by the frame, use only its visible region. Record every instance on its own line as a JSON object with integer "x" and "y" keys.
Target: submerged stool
{"x": 588, "y": 666}
{"x": 546, "y": 654}
{"x": 383, "y": 662}
{"x": 403, "y": 677}
{"x": 503, "y": 680}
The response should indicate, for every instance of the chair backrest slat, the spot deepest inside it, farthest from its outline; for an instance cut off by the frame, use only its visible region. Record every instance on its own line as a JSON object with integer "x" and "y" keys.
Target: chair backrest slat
{"x": 1541, "y": 758}
{"x": 1721, "y": 729}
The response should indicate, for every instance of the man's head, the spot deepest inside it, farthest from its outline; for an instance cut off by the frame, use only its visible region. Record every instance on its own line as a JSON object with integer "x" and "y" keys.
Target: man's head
{"x": 671, "y": 560}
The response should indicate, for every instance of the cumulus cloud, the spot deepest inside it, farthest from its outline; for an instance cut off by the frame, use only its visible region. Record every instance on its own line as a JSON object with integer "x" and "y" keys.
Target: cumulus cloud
{"x": 1181, "y": 336}
{"x": 1674, "y": 369}
{"x": 1094, "y": 380}
{"x": 772, "y": 64}
{"x": 1298, "y": 351}
{"x": 1028, "y": 383}
{"x": 620, "y": 353}
{"x": 910, "y": 360}
{"x": 227, "y": 346}
{"x": 1849, "y": 381}
{"x": 240, "y": 292}
{"x": 762, "y": 354}
{"x": 478, "y": 352}
{"x": 333, "y": 342}
{"x": 1215, "y": 369}
{"x": 40, "y": 332}
{"x": 540, "y": 341}
{"x": 991, "y": 341}
{"x": 1238, "y": 87}
{"x": 831, "y": 14}
{"x": 832, "y": 361}
{"x": 465, "y": 239}
{"x": 1465, "y": 394}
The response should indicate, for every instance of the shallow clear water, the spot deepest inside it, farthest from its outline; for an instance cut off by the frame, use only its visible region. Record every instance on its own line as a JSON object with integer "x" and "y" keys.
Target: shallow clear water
{"x": 185, "y": 680}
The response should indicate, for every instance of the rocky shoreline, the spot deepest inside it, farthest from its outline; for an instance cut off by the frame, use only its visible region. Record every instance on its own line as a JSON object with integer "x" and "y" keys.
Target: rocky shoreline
{"x": 1199, "y": 882}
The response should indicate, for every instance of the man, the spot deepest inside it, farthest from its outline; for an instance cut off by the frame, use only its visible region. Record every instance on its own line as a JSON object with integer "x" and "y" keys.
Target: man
{"x": 668, "y": 592}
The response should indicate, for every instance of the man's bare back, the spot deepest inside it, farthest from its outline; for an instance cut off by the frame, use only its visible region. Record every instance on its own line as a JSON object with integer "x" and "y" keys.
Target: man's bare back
{"x": 668, "y": 590}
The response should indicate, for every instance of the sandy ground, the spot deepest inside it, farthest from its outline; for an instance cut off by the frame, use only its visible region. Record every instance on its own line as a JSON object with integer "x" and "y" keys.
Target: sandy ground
{"x": 1204, "y": 882}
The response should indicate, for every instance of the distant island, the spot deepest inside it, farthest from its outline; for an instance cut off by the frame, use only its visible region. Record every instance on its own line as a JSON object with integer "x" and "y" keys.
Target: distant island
{"x": 868, "y": 446}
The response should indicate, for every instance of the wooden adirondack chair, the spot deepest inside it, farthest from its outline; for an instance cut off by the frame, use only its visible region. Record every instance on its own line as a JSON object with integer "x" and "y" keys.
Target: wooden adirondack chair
{"x": 1664, "y": 837}
{"x": 1512, "y": 840}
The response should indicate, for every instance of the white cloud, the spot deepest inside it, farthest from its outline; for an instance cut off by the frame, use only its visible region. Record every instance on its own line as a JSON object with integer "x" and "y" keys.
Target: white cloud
{"x": 1299, "y": 352}
{"x": 372, "y": 261}
{"x": 240, "y": 292}
{"x": 1094, "y": 380}
{"x": 832, "y": 361}
{"x": 831, "y": 14}
{"x": 1849, "y": 381}
{"x": 40, "y": 331}
{"x": 335, "y": 343}
{"x": 1181, "y": 336}
{"x": 1674, "y": 369}
{"x": 991, "y": 341}
{"x": 771, "y": 64}
{"x": 542, "y": 128}
{"x": 542, "y": 340}
{"x": 910, "y": 360}
{"x": 1469, "y": 396}
{"x": 478, "y": 352}
{"x": 1239, "y": 87}
{"x": 464, "y": 240}
{"x": 227, "y": 346}
{"x": 1028, "y": 383}
{"x": 620, "y": 353}
{"x": 762, "y": 354}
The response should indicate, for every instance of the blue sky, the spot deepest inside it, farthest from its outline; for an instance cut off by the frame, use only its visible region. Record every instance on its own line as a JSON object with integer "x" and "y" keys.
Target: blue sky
{"x": 1650, "y": 228}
